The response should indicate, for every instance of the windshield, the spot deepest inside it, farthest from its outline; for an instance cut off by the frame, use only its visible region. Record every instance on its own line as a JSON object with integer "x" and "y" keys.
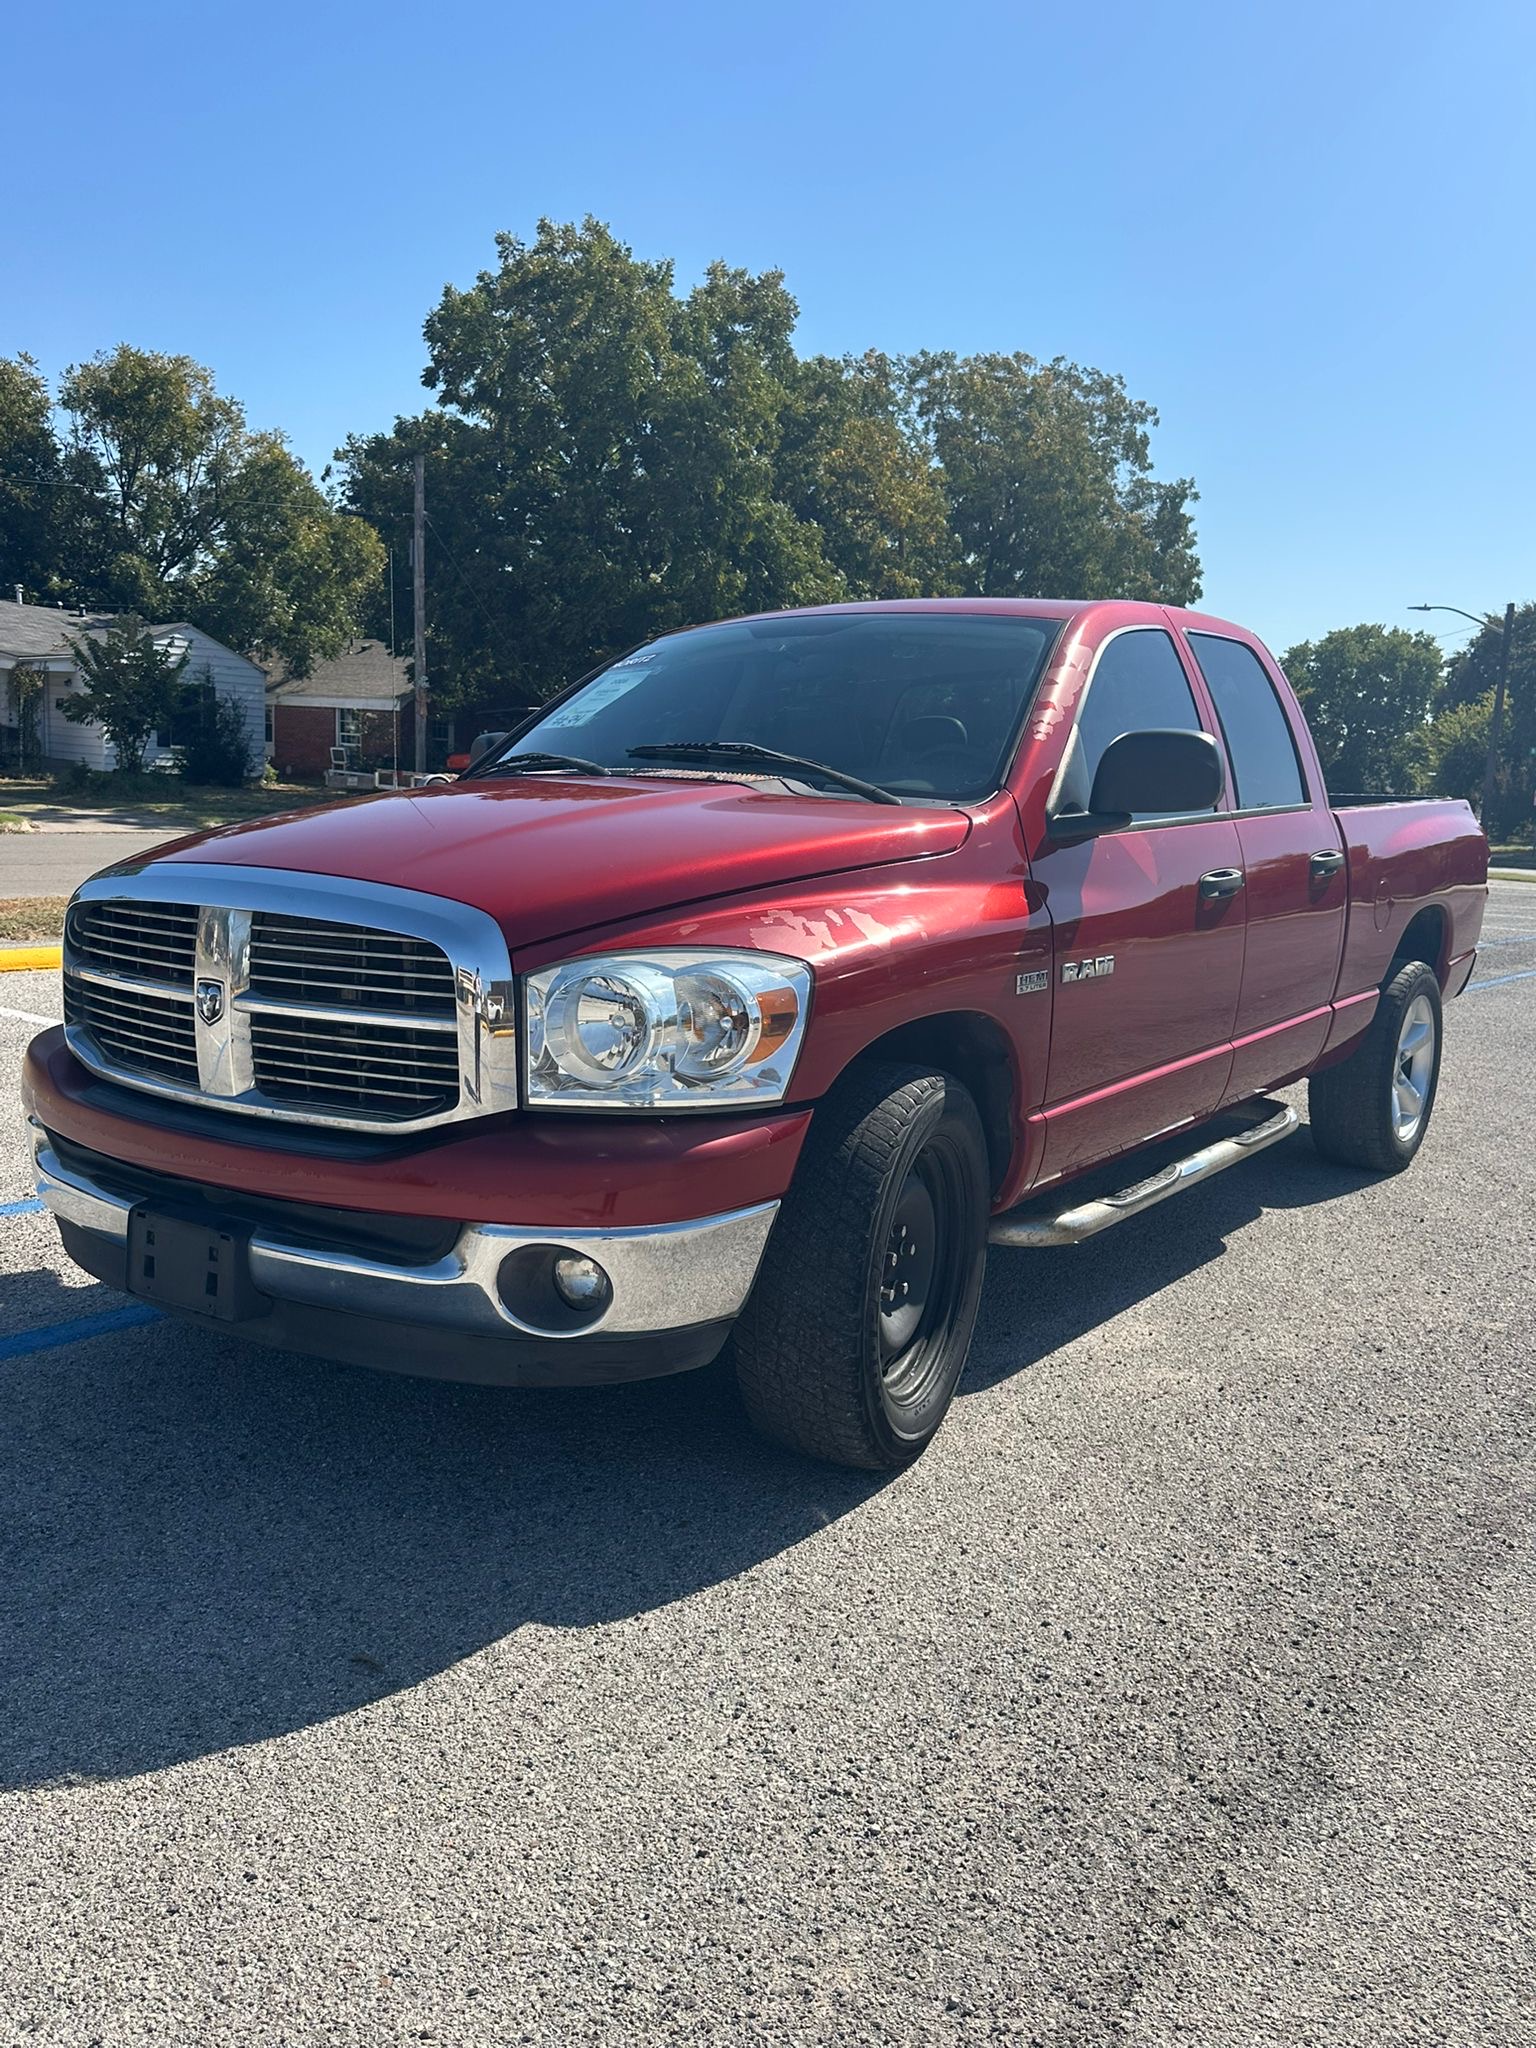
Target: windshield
{"x": 922, "y": 704}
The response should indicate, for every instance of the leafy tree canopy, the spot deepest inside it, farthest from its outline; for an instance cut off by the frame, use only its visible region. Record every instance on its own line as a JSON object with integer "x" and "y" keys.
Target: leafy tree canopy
{"x": 159, "y": 501}
{"x": 1459, "y": 748}
{"x": 1369, "y": 692}
{"x": 1047, "y": 470}
{"x": 29, "y": 479}
{"x": 609, "y": 459}
{"x": 1472, "y": 679}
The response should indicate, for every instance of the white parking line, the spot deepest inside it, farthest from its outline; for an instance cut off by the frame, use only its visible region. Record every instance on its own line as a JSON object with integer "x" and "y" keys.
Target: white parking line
{"x": 27, "y": 1016}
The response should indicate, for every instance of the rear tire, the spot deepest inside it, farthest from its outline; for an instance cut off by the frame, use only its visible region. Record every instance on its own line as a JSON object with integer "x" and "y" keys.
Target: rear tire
{"x": 857, "y": 1330}
{"x": 1373, "y": 1109}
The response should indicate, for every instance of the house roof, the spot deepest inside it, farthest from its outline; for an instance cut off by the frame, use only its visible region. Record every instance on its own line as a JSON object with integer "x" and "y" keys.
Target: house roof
{"x": 43, "y": 631}
{"x": 364, "y": 672}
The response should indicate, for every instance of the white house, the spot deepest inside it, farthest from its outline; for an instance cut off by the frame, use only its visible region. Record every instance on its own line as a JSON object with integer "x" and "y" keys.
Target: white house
{"x": 37, "y": 636}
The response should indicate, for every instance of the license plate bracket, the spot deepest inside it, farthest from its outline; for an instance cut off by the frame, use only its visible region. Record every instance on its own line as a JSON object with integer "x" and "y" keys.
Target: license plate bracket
{"x": 201, "y": 1268}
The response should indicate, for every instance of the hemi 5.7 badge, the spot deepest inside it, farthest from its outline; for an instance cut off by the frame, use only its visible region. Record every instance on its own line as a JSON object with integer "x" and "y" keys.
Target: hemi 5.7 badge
{"x": 1088, "y": 970}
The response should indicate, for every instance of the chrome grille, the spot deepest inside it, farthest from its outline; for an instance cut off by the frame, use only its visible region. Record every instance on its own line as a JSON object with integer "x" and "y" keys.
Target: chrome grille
{"x": 348, "y": 966}
{"x": 140, "y": 1029}
{"x": 377, "y": 1071}
{"x": 303, "y": 997}
{"x": 150, "y": 941}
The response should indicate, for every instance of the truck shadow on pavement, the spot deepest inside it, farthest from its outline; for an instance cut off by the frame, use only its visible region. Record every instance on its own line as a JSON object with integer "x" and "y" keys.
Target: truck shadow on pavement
{"x": 208, "y": 1544}
{"x": 1036, "y": 1302}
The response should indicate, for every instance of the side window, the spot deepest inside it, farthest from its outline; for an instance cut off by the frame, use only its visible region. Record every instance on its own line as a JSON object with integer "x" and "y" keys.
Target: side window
{"x": 1139, "y": 684}
{"x": 1265, "y": 769}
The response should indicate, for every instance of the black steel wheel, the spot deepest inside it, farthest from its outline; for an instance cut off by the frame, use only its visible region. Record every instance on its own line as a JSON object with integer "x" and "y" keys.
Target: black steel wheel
{"x": 857, "y": 1330}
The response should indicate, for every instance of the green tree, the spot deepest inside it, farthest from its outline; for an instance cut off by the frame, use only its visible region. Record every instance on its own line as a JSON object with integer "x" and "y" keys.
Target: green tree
{"x": 132, "y": 685}
{"x": 1369, "y": 692}
{"x": 180, "y": 511}
{"x": 1472, "y": 678}
{"x": 854, "y": 463}
{"x": 609, "y": 459}
{"x": 1458, "y": 744}
{"x": 31, "y": 481}
{"x": 602, "y": 465}
{"x": 1047, "y": 473}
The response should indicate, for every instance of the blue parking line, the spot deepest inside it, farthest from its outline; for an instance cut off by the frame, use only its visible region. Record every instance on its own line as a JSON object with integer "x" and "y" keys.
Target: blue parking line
{"x": 78, "y": 1330}
{"x": 32, "y": 1208}
{"x": 1498, "y": 981}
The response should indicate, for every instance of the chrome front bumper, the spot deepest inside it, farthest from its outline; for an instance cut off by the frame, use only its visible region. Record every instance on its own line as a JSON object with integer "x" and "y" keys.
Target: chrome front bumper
{"x": 665, "y": 1276}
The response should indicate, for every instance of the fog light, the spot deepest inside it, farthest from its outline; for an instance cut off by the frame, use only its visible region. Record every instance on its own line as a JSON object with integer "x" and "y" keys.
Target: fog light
{"x": 581, "y": 1282}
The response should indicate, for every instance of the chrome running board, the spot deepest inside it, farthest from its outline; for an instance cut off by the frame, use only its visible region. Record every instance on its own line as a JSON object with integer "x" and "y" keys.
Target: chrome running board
{"x": 1089, "y": 1218}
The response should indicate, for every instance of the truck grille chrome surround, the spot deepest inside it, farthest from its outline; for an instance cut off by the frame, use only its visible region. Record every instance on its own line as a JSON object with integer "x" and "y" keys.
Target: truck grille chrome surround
{"x": 300, "y": 997}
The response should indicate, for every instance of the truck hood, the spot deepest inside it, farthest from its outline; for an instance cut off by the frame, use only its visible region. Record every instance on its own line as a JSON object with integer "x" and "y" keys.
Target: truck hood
{"x": 545, "y": 856}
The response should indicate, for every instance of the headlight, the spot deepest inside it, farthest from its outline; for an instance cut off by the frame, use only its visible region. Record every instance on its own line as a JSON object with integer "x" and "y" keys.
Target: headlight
{"x": 666, "y": 1030}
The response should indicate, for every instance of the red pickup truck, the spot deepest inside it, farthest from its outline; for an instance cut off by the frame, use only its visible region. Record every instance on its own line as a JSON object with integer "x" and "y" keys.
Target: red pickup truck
{"x": 748, "y": 992}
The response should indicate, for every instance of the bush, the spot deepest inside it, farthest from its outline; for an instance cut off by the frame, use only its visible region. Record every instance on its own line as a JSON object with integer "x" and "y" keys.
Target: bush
{"x": 213, "y": 745}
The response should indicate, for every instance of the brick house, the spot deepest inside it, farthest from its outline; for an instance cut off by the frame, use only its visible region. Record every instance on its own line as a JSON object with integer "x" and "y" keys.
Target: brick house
{"x": 360, "y": 702}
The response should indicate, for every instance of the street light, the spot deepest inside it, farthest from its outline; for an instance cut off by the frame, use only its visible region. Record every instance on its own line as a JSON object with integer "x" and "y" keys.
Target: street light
{"x": 1496, "y": 723}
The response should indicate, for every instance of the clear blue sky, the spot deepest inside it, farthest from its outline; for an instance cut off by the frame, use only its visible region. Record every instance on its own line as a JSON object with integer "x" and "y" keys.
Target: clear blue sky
{"x": 1303, "y": 231}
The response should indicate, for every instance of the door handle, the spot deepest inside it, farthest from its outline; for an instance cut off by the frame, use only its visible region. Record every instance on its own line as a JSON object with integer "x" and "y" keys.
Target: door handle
{"x": 1221, "y": 882}
{"x": 1326, "y": 863}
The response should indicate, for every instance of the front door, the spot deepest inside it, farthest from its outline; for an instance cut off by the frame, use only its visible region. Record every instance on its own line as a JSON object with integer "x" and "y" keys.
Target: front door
{"x": 1147, "y": 926}
{"x": 1296, "y": 887}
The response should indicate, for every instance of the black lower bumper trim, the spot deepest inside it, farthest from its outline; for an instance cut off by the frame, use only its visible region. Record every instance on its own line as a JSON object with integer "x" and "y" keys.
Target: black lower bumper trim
{"x": 423, "y": 1352}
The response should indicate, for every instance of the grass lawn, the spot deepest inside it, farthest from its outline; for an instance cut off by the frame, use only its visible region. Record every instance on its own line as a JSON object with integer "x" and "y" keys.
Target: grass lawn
{"x": 1517, "y": 856}
{"x": 161, "y": 799}
{"x": 26, "y": 919}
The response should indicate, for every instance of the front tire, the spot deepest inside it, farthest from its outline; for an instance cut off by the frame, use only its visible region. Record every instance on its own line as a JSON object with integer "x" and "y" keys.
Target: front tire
{"x": 857, "y": 1330}
{"x": 1373, "y": 1109}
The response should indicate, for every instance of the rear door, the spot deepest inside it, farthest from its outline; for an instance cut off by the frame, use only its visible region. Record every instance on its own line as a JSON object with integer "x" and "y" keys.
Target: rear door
{"x": 1148, "y": 932}
{"x": 1295, "y": 884}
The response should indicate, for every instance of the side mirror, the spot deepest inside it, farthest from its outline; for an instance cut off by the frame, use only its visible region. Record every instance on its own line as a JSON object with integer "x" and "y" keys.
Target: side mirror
{"x": 1142, "y": 772}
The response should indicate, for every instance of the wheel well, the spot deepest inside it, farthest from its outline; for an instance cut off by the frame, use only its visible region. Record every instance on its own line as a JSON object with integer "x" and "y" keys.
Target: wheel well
{"x": 976, "y": 1051}
{"x": 1424, "y": 939}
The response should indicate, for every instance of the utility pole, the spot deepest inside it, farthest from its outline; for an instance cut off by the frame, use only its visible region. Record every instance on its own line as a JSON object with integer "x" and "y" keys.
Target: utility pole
{"x": 419, "y": 609}
{"x": 1496, "y": 723}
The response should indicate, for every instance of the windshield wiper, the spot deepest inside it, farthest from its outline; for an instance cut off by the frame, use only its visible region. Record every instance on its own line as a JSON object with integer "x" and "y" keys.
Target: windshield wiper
{"x": 515, "y": 764}
{"x": 743, "y": 751}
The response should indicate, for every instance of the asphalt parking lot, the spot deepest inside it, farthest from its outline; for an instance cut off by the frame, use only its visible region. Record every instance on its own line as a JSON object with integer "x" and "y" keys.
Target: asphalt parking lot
{"x": 1183, "y": 1693}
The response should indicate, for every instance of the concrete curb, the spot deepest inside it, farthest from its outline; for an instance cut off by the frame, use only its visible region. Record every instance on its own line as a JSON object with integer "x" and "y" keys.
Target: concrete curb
{"x": 27, "y": 959}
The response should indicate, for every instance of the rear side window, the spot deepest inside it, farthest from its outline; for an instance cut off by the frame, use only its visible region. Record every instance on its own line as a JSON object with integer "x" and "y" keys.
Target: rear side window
{"x": 1265, "y": 770}
{"x": 1138, "y": 685}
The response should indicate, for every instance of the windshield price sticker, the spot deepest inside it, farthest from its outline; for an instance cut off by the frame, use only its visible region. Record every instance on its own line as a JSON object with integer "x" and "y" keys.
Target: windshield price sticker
{"x": 604, "y": 690}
